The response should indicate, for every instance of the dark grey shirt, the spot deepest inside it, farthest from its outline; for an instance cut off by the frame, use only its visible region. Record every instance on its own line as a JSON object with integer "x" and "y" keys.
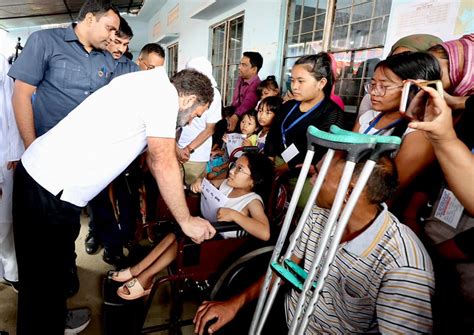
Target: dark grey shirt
{"x": 63, "y": 72}
{"x": 123, "y": 65}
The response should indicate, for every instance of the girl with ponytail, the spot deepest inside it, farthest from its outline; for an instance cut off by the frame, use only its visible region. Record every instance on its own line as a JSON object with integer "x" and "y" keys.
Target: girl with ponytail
{"x": 312, "y": 81}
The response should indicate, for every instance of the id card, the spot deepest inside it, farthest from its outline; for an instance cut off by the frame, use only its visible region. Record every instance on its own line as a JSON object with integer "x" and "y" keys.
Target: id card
{"x": 449, "y": 209}
{"x": 289, "y": 153}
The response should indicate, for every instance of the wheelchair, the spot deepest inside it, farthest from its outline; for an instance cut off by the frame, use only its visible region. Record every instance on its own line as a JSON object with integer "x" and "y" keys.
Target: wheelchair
{"x": 210, "y": 270}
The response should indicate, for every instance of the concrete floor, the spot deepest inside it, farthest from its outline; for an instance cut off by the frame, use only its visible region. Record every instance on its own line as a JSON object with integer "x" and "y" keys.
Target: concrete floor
{"x": 91, "y": 270}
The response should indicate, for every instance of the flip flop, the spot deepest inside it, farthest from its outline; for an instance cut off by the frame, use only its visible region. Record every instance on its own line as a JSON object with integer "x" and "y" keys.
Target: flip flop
{"x": 120, "y": 276}
{"x": 135, "y": 290}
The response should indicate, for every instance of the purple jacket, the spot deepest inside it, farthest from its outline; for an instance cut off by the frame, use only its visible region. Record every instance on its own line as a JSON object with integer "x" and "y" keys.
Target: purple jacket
{"x": 245, "y": 94}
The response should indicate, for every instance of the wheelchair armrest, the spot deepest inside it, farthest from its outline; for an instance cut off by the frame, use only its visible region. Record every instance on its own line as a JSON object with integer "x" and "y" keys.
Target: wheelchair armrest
{"x": 250, "y": 148}
{"x": 223, "y": 226}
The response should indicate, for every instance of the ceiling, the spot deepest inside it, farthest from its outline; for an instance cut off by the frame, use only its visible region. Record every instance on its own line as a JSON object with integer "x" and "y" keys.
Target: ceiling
{"x": 24, "y": 13}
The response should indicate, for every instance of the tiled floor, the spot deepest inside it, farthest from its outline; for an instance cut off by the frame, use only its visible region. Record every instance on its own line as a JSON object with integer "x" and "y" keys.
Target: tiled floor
{"x": 91, "y": 271}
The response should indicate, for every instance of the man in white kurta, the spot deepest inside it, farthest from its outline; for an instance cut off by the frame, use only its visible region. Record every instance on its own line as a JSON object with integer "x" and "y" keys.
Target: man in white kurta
{"x": 11, "y": 148}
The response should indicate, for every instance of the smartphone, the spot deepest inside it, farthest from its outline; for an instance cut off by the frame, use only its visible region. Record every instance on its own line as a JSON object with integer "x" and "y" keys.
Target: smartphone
{"x": 413, "y": 100}
{"x": 288, "y": 86}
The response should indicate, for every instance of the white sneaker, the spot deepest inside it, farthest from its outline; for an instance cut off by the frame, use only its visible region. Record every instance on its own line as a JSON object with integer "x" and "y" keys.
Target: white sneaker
{"x": 77, "y": 320}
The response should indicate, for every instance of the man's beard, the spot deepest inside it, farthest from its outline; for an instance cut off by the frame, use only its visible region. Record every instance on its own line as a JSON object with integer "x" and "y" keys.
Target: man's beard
{"x": 184, "y": 116}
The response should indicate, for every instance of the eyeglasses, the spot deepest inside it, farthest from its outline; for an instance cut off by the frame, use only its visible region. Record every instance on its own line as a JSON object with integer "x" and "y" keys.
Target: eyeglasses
{"x": 238, "y": 169}
{"x": 148, "y": 67}
{"x": 379, "y": 88}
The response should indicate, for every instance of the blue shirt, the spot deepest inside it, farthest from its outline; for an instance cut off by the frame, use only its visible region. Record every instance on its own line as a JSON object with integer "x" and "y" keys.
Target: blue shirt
{"x": 123, "y": 65}
{"x": 63, "y": 72}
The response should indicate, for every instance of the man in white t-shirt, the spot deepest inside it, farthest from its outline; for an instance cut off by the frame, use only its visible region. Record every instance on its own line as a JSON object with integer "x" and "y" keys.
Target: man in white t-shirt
{"x": 195, "y": 143}
{"x": 66, "y": 167}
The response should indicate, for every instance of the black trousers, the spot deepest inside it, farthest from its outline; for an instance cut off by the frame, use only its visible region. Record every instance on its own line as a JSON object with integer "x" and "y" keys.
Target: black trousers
{"x": 45, "y": 229}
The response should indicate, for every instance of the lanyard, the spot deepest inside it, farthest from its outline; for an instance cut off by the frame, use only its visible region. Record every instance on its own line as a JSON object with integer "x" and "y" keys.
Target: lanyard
{"x": 294, "y": 123}
{"x": 376, "y": 120}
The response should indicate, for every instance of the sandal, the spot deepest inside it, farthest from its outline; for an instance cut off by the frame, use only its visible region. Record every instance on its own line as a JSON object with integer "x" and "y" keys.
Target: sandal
{"x": 120, "y": 276}
{"x": 135, "y": 290}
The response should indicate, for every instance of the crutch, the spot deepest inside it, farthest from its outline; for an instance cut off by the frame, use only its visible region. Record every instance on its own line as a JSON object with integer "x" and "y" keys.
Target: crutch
{"x": 315, "y": 137}
{"x": 335, "y": 229}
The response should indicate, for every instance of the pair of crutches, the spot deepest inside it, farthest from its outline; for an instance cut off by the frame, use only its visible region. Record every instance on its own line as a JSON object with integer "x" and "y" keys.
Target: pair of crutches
{"x": 358, "y": 146}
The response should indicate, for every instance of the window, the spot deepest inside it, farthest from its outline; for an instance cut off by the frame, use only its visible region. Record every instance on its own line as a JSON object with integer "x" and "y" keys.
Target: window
{"x": 357, "y": 43}
{"x": 226, "y": 54}
{"x": 304, "y": 34}
{"x": 172, "y": 64}
{"x": 357, "y": 37}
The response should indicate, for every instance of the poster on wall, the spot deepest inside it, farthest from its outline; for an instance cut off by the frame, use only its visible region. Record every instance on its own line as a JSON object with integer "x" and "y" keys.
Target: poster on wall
{"x": 447, "y": 19}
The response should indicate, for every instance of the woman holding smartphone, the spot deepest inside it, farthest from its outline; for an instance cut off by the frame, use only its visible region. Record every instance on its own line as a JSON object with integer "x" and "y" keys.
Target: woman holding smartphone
{"x": 385, "y": 89}
{"x": 456, "y": 59}
{"x": 452, "y": 237}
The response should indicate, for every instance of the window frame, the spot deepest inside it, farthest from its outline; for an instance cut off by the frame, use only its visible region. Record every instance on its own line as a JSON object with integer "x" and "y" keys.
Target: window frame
{"x": 326, "y": 43}
{"x": 172, "y": 59}
{"x": 225, "y": 81}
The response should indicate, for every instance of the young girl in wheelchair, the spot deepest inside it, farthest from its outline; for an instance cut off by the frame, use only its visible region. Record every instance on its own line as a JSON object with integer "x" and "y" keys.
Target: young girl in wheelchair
{"x": 248, "y": 183}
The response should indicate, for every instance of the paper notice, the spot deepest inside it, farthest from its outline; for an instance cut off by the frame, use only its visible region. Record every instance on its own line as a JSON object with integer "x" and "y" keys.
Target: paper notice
{"x": 211, "y": 200}
{"x": 449, "y": 209}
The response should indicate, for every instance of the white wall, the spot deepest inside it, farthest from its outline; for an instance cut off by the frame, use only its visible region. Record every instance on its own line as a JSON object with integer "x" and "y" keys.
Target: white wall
{"x": 261, "y": 30}
{"x": 8, "y": 40}
{"x": 193, "y": 34}
{"x": 140, "y": 34}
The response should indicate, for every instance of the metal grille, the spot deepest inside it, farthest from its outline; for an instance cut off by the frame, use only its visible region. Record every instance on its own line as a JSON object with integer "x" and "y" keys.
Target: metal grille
{"x": 357, "y": 38}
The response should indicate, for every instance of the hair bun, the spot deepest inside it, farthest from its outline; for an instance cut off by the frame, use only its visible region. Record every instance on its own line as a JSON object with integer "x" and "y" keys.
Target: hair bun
{"x": 271, "y": 77}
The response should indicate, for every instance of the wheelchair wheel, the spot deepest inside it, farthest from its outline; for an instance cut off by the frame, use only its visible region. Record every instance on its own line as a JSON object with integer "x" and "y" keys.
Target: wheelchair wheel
{"x": 242, "y": 273}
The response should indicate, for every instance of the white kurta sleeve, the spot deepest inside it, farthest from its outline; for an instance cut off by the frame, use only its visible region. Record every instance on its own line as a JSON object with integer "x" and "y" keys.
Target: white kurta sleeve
{"x": 9, "y": 132}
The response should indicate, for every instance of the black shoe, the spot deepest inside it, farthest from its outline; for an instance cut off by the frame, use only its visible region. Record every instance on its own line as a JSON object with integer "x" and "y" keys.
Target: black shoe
{"x": 72, "y": 284}
{"x": 92, "y": 244}
{"x": 114, "y": 257}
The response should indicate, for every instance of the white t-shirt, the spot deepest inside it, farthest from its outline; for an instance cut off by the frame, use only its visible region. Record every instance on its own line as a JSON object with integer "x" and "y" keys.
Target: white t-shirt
{"x": 238, "y": 204}
{"x": 366, "y": 118}
{"x": 91, "y": 146}
{"x": 365, "y": 104}
{"x": 191, "y": 131}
